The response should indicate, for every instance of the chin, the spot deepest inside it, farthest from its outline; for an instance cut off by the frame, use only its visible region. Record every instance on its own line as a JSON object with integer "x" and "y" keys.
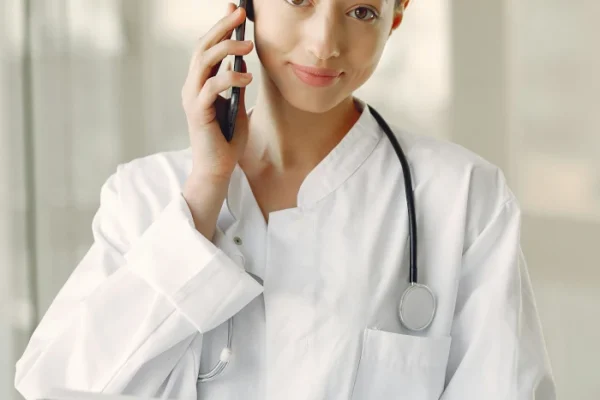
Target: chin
{"x": 316, "y": 104}
{"x": 312, "y": 99}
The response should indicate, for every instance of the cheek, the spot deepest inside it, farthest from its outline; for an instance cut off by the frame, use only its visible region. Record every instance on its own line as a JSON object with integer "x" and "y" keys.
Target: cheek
{"x": 363, "y": 60}
{"x": 357, "y": 77}
{"x": 270, "y": 41}
{"x": 266, "y": 48}
{"x": 273, "y": 32}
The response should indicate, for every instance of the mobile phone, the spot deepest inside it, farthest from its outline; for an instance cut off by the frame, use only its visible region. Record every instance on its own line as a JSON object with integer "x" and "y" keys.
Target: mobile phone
{"x": 234, "y": 100}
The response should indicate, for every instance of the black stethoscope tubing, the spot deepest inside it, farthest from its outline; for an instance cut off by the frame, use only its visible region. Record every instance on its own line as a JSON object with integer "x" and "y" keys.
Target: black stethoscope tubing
{"x": 410, "y": 202}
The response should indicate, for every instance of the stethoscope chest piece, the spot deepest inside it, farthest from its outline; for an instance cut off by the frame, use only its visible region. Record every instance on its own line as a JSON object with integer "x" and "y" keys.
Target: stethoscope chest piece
{"x": 417, "y": 307}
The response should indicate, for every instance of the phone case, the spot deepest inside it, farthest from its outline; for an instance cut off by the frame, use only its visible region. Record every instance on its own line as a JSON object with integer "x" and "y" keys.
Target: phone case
{"x": 234, "y": 100}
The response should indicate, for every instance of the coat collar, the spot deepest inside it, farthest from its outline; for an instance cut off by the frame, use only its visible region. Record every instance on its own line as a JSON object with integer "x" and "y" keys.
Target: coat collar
{"x": 337, "y": 166}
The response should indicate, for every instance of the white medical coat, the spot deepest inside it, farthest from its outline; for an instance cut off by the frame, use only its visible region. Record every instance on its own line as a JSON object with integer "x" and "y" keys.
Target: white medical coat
{"x": 148, "y": 305}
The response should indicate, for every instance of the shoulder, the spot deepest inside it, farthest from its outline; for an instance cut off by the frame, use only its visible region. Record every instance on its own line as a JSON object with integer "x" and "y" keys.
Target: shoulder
{"x": 449, "y": 178}
{"x": 141, "y": 188}
{"x": 442, "y": 165}
{"x": 157, "y": 174}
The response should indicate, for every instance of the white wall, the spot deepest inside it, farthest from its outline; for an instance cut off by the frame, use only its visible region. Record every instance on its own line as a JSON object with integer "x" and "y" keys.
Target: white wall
{"x": 525, "y": 95}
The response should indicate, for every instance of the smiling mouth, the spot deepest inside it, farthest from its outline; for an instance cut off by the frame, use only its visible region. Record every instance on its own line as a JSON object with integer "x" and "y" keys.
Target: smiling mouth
{"x": 315, "y": 77}
{"x": 321, "y": 72}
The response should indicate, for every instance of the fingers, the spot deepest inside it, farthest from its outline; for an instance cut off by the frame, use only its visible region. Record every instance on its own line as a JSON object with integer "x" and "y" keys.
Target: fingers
{"x": 219, "y": 83}
{"x": 214, "y": 56}
{"x": 228, "y": 67}
{"x": 222, "y": 29}
{"x": 206, "y": 61}
{"x": 200, "y": 46}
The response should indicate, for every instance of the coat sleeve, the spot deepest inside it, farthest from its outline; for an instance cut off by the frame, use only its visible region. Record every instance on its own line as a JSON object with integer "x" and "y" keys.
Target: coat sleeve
{"x": 498, "y": 350}
{"x": 132, "y": 307}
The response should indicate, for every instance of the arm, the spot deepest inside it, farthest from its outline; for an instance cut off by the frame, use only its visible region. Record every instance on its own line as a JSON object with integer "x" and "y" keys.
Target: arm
{"x": 132, "y": 306}
{"x": 498, "y": 350}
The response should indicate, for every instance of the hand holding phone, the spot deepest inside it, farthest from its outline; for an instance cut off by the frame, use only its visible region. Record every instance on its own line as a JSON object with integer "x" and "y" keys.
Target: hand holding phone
{"x": 211, "y": 118}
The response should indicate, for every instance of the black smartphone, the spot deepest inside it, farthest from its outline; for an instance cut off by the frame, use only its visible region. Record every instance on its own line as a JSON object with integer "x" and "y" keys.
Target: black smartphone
{"x": 234, "y": 100}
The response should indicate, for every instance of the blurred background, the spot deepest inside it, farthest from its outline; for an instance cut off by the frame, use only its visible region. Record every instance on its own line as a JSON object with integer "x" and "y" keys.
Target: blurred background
{"x": 88, "y": 84}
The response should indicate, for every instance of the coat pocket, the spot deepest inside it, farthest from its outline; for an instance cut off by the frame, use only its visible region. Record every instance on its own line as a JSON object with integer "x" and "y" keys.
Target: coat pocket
{"x": 397, "y": 366}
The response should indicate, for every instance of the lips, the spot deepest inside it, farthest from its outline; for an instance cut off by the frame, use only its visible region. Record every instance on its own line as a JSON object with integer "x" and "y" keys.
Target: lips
{"x": 321, "y": 72}
{"x": 318, "y": 77}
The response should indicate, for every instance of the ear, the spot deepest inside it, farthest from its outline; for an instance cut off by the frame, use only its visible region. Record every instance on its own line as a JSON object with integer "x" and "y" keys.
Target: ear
{"x": 250, "y": 10}
{"x": 399, "y": 15}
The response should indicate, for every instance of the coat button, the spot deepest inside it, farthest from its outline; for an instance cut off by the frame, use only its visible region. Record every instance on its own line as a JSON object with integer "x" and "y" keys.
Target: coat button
{"x": 237, "y": 240}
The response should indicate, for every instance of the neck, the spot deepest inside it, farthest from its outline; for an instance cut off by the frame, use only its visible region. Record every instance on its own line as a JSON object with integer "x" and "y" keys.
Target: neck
{"x": 284, "y": 139}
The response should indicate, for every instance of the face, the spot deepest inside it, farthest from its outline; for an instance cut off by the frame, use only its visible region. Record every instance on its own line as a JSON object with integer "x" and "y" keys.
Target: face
{"x": 346, "y": 36}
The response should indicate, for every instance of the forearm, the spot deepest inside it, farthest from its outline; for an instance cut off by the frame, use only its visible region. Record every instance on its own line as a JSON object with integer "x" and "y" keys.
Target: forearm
{"x": 205, "y": 197}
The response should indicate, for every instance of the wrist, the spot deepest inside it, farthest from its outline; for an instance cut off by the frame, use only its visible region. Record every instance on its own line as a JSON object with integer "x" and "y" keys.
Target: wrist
{"x": 205, "y": 179}
{"x": 204, "y": 196}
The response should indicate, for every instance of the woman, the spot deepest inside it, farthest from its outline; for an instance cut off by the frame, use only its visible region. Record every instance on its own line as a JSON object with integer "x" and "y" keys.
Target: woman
{"x": 298, "y": 227}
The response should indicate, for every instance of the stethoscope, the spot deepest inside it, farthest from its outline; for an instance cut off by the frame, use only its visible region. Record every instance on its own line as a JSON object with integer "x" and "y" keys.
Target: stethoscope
{"x": 417, "y": 304}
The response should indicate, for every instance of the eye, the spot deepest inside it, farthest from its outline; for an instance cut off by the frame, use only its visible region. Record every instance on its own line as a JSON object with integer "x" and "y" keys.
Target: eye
{"x": 361, "y": 12}
{"x": 295, "y": 2}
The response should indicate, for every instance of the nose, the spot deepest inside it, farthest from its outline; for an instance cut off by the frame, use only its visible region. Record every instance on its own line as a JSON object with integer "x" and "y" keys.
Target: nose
{"x": 322, "y": 34}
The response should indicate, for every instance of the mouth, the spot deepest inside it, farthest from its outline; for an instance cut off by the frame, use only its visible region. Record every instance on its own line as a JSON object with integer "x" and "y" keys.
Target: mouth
{"x": 313, "y": 76}
{"x": 324, "y": 72}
